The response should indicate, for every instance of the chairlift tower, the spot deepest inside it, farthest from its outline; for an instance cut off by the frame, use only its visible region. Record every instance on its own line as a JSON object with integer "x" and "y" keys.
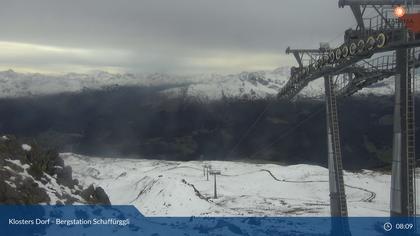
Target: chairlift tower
{"x": 207, "y": 169}
{"x": 214, "y": 173}
{"x": 338, "y": 203}
{"x": 403, "y": 158}
{"x": 349, "y": 65}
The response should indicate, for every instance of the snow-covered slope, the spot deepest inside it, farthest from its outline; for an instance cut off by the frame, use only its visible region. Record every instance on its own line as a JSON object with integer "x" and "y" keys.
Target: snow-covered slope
{"x": 54, "y": 192}
{"x": 29, "y": 175}
{"x": 159, "y": 188}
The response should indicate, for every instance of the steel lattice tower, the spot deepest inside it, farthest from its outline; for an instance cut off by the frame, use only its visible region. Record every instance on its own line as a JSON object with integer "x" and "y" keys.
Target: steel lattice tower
{"x": 379, "y": 34}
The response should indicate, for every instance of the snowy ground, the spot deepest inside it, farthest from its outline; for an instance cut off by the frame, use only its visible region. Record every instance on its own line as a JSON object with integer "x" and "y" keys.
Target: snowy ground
{"x": 168, "y": 188}
{"x": 19, "y": 177}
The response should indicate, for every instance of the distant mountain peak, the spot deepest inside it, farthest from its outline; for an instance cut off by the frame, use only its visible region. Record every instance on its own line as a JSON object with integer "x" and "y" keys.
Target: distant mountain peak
{"x": 250, "y": 85}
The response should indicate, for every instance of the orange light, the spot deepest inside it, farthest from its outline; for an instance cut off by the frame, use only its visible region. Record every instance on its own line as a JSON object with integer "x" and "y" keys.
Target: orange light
{"x": 399, "y": 11}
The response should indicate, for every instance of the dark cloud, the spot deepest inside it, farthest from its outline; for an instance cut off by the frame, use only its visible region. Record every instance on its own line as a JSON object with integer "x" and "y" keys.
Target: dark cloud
{"x": 157, "y": 33}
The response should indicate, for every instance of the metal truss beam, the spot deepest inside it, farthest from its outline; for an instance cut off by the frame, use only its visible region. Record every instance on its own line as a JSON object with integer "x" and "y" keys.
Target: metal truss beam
{"x": 300, "y": 78}
{"x": 300, "y": 54}
{"x": 357, "y": 12}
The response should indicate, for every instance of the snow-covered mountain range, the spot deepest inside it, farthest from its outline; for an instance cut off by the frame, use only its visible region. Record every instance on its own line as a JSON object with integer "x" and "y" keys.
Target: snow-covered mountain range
{"x": 175, "y": 188}
{"x": 214, "y": 86}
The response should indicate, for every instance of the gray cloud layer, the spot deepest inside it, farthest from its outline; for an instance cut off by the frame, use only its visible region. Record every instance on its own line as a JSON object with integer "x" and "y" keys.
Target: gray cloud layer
{"x": 170, "y": 35}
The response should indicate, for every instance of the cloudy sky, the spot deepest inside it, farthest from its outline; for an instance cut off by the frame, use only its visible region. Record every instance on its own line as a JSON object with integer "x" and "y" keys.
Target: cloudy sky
{"x": 170, "y": 36}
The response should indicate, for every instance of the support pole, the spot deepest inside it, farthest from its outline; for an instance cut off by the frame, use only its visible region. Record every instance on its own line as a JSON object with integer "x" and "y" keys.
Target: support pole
{"x": 338, "y": 203}
{"x": 215, "y": 172}
{"x": 215, "y": 188}
{"x": 403, "y": 162}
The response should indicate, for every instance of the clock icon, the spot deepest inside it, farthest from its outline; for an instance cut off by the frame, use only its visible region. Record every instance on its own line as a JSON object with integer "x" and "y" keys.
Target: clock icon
{"x": 387, "y": 226}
